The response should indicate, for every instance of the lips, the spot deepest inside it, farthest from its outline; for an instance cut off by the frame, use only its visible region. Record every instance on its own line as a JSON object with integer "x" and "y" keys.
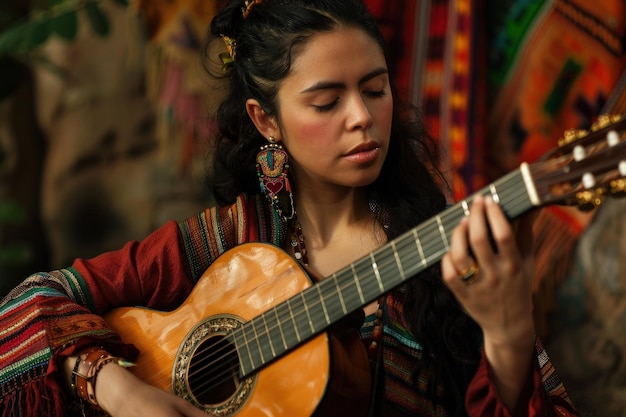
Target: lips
{"x": 364, "y": 153}
{"x": 364, "y": 147}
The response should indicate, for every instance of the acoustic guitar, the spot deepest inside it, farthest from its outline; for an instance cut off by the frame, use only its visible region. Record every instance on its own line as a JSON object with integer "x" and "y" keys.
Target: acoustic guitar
{"x": 257, "y": 338}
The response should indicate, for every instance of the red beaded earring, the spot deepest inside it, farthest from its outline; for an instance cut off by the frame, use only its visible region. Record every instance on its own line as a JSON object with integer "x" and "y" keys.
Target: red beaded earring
{"x": 272, "y": 165}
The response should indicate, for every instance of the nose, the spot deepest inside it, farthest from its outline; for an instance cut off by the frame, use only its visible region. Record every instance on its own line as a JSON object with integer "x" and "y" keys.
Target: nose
{"x": 360, "y": 116}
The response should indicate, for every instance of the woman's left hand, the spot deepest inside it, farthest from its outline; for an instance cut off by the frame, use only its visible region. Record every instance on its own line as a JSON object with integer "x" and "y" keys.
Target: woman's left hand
{"x": 498, "y": 296}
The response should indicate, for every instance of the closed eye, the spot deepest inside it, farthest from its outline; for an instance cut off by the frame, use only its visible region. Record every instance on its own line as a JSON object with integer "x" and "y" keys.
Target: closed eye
{"x": 327, "y": 107}
{"x": 376, "y": 94}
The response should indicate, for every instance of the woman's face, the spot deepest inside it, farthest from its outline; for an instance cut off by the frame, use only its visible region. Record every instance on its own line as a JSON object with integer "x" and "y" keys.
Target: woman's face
{"x": 335, "y": 110}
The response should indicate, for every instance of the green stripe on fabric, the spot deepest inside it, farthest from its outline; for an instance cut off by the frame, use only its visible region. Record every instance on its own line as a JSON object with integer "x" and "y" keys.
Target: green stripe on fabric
{"x": 37, "y": 359}
{"x": 79, "y": 287}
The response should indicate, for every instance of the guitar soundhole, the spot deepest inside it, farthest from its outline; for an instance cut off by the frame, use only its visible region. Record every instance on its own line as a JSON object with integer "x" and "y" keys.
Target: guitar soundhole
{"x": 206, "y": 368}
{"x": 213, "y": 369}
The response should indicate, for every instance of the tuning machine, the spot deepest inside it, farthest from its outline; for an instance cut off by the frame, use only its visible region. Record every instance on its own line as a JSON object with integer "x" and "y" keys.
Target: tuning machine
{"x": 589, "y": 199}
{"x": 617, "y": 187}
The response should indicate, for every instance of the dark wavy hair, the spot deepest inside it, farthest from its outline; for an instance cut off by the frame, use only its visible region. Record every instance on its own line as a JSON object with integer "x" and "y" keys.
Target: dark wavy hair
{"x": 408, "y": 188}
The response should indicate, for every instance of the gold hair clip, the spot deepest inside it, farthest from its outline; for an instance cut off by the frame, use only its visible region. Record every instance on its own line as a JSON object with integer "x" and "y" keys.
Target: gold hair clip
{"x": 228, "y": 57}
{"x": 248, "y": 5}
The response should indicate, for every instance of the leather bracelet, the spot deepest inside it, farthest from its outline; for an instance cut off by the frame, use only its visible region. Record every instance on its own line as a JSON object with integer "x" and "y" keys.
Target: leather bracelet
{"x": 82, "y": 376}
{"x": 88, "y": 365}
{"x": 75, "y": 372}
{"x": 93, "y": 374}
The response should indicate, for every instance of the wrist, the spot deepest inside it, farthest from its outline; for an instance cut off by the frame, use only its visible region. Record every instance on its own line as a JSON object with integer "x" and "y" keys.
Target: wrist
{"x": 114, "y": 385}
{"x": 86, "y": 371}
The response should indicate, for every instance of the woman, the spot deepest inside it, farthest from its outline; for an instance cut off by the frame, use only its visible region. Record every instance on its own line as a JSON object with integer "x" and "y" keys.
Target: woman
{"x": 312, "y": 156}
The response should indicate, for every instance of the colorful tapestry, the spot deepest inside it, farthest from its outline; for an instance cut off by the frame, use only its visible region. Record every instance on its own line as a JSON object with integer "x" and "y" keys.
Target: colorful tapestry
{"x": 553, "y": 66}
{"x": 499, "y": 82}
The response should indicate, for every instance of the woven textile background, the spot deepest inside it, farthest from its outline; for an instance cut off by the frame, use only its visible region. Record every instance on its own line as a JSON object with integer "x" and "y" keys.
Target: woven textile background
{"x": 499, "y": 81}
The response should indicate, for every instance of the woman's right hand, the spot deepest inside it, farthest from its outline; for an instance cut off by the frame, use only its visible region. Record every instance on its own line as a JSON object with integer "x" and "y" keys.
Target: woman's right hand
{"x": 122, "y": 394}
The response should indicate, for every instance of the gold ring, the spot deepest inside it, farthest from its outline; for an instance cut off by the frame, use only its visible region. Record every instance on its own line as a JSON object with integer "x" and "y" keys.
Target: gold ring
{"x": 469, "y": 275}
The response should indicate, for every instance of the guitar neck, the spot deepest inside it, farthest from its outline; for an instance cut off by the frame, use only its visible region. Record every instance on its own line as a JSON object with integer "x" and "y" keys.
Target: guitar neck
{"x": 287, "y": 325}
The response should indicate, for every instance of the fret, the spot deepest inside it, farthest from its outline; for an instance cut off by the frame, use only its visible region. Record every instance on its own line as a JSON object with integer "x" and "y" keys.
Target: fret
{"x": 386, "y": 272}
{"x": 494, "y": 193}
{"x": 257, "y": 339}
{"x": 294, "y": 321}
{"x": 357, "y": 284}
{"x": 323, "y": 303}
{"x": 451, "y": 217}
{"x": 341, "y": 300}
{"x": 254, "y": 350}
{"x": 398, "y": 261}
{"x": 316, "y": 309}
{"x": 362, "y": 271}
{"x": 264, "y": 338}
{"x": 306, "y": 310}
{"x": 269, "y": 332}
{"x": 465, "y": 206}
{"x": 433, "y": 243}
{"x": 377, "y": 273}
{"x": 300, "y": 309}
{"x": 442, "y": 232}
{"x": 288, "y": 325}
{"x": 332, "y": 298}
{"x": 349, "y": 295}
{"x": 280, "y": 328}
{"x": 243, "y": 351}
{"x": 420, "y": 249}
{"x": 275, "y": 335}
{"x": 246, "y": 361}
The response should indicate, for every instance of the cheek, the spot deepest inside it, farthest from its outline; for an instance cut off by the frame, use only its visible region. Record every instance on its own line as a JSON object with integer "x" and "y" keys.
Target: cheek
{"x": 309, "y": 134}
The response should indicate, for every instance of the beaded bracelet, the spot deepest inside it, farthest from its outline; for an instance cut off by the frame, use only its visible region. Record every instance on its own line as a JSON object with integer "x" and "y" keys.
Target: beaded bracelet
{"x": 88, "y": 364}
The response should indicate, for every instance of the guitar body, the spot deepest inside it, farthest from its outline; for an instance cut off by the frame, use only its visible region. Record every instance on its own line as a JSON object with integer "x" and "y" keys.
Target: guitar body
{"x": 327, "y": 375}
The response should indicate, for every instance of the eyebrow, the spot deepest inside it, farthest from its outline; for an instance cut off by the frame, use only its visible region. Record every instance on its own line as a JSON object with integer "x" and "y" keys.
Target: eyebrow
{"x": 328, "y": 85}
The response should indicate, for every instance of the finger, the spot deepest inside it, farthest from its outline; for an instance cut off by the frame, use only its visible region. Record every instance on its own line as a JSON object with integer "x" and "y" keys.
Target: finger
{"x": 451, "y": 277}
{"x": 459, "y": 247}
{"x": 479, "y": 232}
{"x": 501, "y": 228}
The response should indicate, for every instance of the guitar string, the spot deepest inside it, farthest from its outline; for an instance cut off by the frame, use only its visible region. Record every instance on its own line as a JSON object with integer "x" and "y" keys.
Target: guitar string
{"x": 402, "y": 244}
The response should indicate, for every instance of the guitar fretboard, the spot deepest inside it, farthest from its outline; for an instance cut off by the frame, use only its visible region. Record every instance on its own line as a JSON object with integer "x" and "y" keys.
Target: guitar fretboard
{"x": 288, "y": 324}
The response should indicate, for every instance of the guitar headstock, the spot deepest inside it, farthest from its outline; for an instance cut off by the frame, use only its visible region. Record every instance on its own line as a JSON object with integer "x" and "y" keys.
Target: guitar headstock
{"x": 587, "y": 166}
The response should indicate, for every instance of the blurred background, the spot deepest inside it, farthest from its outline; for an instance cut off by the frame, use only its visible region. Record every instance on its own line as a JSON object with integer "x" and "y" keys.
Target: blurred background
{"x": 106, "y": 119}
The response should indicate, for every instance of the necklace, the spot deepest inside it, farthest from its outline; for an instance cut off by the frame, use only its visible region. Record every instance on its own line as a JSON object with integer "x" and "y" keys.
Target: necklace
{"x": 297, "y": 243}
{"x": 300, "y": 253}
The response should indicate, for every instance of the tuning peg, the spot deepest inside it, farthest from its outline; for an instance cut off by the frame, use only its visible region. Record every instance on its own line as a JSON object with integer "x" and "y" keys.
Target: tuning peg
{"x": 605, "y": 120}
{"x": 571, "y": 135}
{"x": 589, "y": 199}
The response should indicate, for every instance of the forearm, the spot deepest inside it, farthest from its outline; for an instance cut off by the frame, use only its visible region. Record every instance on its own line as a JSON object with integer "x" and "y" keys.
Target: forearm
{"x": 509, "y": 361}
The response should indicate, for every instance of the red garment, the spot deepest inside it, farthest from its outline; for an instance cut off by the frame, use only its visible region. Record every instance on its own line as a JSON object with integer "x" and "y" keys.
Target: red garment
{"x": 482, "y": 399}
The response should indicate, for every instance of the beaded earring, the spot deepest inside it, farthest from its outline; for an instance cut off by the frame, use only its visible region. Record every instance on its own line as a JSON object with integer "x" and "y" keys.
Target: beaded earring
{"x": 272, "y": 165}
